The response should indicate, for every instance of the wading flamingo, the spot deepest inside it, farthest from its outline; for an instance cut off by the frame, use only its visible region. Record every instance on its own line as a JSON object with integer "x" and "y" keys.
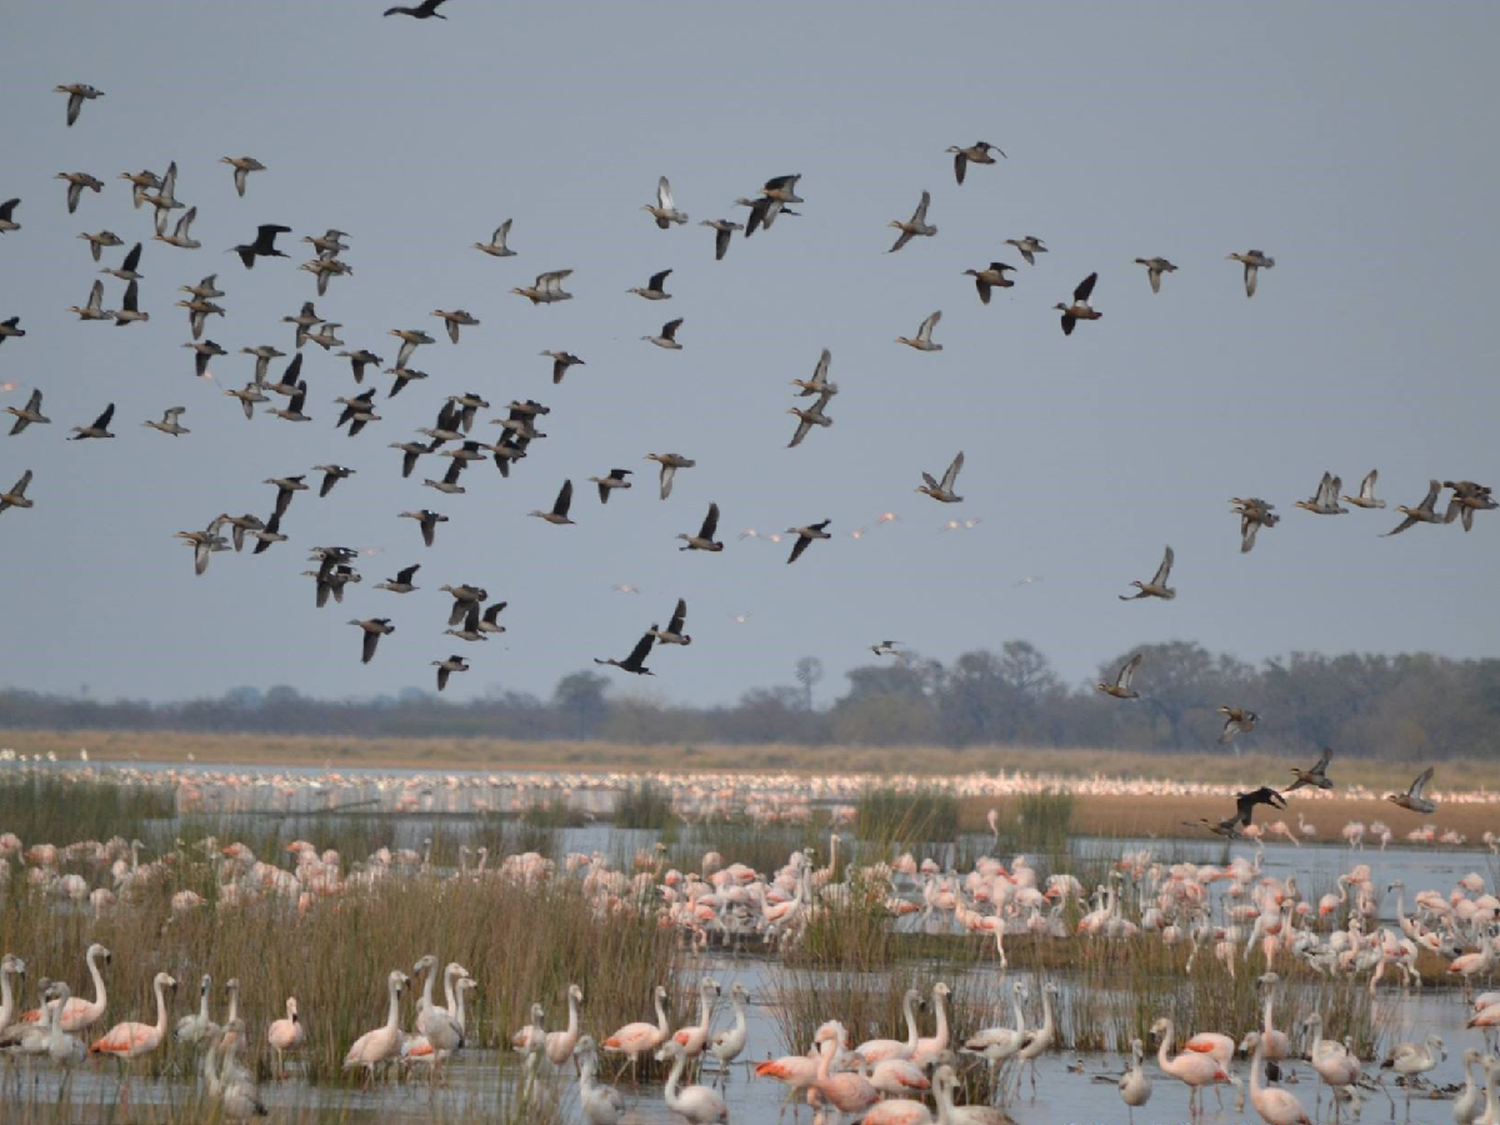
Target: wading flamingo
{"x": 129, "y": 1040}
{"x": 635, "y": 1038}
{"x": 1195, "y": 1069}
{"x": 845, "y": 1091}
{"x": 286, "y": 1034}
{"x": 727, "y": 1045}
{"x": 1041, "y": 1039}
{"x": 80, "y": 1014}
{"x": 929, "y": 1048}
{"x": 65, "y": 1050}
{"x": 693, "y": 1039}
{"x": 699, "y": 1104}
{"x": 798, "y": 1073}
{"x": 602, "y": 1105}
{"x": 384, "y": 1043}
{"x": 1135, "y": 1083}
{"x": 878, "y": 1050}
{"x": 1275, "y": 1105}
{"x": 560, "y": 1044}
{"x": 943, "y": 1083}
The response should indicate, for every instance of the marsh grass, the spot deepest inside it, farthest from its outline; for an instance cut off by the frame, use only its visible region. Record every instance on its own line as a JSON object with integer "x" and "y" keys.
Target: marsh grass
{"x": 887, "y": 817}
{"x": 522, "y": 943}
{"x": 644, "y": 805}
{"x": 33, "y": 804}
{"x": 1038, "y": 822}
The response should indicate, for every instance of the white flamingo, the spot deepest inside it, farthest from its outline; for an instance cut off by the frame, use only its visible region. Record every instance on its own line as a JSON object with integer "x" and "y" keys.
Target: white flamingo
{"x": 198, "y": 1027}
{"x": 381, "y": 1045}
{"x": 1040, "y": 1040}
{"x": 727, "y": 1045}
{"x": 948, "y": 1113}
{"x": 699, "y": 1104}
{"x": 1135, "y": 1083}
{"x": 602, "y": 1105}
{"x": 693, "y": 1039}
{"x": 930, "y": 1047}
{"x": 560, "y": 1044}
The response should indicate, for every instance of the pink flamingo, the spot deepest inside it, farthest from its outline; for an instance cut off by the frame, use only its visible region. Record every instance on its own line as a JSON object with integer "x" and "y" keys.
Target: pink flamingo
{"x": 1275, "y": 1105}
{"x": 849, "y": 1092}
{"x": 78, "y": 1013}
{"x": 129, "y": 1040}
{"x": 1195, "y": 1069}
{"x": 286, "y": 1034}
{"x": 878, "y": 1050}
{"x": 930, "y": 1047}
{"x": 798, "y": 1073}
{"x": 635, "y": 1038}
{"x": 381, "y": 1045}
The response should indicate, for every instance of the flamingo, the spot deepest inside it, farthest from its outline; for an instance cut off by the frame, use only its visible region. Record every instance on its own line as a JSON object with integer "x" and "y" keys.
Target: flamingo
{"x": 286, "y": 1034}
{"x": 944, "y": 1081}
{"x": 693, "y": 1039}
{"x": 1191, "y": 1067}
{"x": 1335, "y": 1066}
{"x": 10, "y": 966}
{"x": 878, "y": 1050}
{"x": 381, "y": 1045}
{"x": 65, "y": 1049}
{"x": 849, "y": 1092}
{"x": 241, "y": 1100}
{"x": 999, "y": 1043}
{"x": 929, "y": 1048}
{"x": 727, "y": 1045}
{"x": 560, "y": 1044}
{"x": 797, "y": 1073}
{"x": 602, "y": 1105}
{"x": 438, "y": 1025}
{"x": 1135, "y": 1083}
{"x": 1274, "y": 1043}
{"x": 1275, "y": 1105}
{"x": 635, "y": 1038}
{"x": 897, "y": 1111}
{"x": 1218, "y": 1047}
{"x": 80, "y": 1014}
{"x": 699, "y": 1104}
{"x": 1410, "y": 1060}
{"x": 198, "y": 1028}
{"x": 1041, "y": 1039}
{"x": 1466, "y": 1105}
{"x": 898, "y": 1076}
{"x": 129, "y": 1040}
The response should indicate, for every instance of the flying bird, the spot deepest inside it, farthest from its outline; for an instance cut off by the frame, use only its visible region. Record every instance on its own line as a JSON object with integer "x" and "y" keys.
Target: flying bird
{"x": 942, "y": 491}
{"x": 1080, "y": 308}
{"x": 78, "y": 93}
{"x": 665, "y": 212}
{"x": 1155, "y": 267}
{"x": 1315, "y": 777}
{"x": 615, "y": 479}
{"x": 1121, "y": 688}
{"x": 636, "y": 661}
{"x": 1157, "y": 587}
{"x": 923, "y": 341}
{"x": 1412, "y": 799}
{"x": 1254, "y": 261}
{"x": 704, "y": 540}
{"x": 559, "y": 513}
{"x": 914, "y": 226}
{"x": 243, "y": 166}
{"x": 805, "y": 536}
{"x": 374, "y": 628}
{"x": 264, "y": 245}
{"x": 976, "y": 153}
{"x": 426, "y": 10}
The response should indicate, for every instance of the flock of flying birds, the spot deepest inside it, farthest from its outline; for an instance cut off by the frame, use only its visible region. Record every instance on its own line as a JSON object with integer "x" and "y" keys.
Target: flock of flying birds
{"x": 452, "y": 433}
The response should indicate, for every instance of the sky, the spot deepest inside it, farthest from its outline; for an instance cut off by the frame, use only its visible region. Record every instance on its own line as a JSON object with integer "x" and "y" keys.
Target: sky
{"x": 1347, "y": 142}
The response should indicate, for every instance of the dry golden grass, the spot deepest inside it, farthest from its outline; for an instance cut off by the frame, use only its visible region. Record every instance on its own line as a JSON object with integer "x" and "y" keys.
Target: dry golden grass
{"x": 459, "y": 753}
{"x": 1162, "y": 817}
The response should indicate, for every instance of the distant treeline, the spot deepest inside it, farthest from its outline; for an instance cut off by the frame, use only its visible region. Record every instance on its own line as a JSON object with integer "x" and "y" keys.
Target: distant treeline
{"x": 1408, "y": 706}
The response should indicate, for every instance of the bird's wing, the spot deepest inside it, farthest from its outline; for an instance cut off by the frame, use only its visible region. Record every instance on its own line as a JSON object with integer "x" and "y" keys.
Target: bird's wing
{"x": 1433, "y": 487}
{"x": 669, "y": 329}
{"x": 1324, "y": 760}
{"x": 1085, "y": 287}
{"x": 658, "y": 280}
{"x": 132, "y": 259}
{"x": 920, "y": 214}
{"x": 667, "y": 473}
{"x": 1367, "y": 486}
{"x": 710, "y": 522}
{"x": 799, "y": 546}
{"x": 925, "y": 331}
{"x": 901, "y": 240}
{"x": 679, "y": 617}
{"x": 370, "y": 641}
{"x": 405, "y": 576}
{"x": 664, "y": 194}
{"x": 804, "y": 427}
{"x": 642, "y": 649}
{"x": 951, "y": 476}
{"x": 564, "y": 499}
{"x": 1421, "y": 783}
{"x": 820, "y": 373}
{"x": 1128, "y": 671}
{"x": 1251, "y": 275}
{"x": 960, "y": 161}
{"x": 102, "y": 422}
{"x": 1164, "y": 571}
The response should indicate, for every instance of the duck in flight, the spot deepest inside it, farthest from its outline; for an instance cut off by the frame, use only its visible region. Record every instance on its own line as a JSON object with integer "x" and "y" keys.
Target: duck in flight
{"x": 1366, "y": 497}
{"x": 665, "y": 212}
{"x": 704, "y": 540}
{"x": 446, "y": 668}
{"x": 991, "y": 277}
{"x": 1254, "y": 514}
{"x": 1317, "y": 777}
{"x": 1254, "y": 261}
{"x": 559, "y": 513}
{"x": 805, "y": 536}
{"x": 923, "y": 341}
{"x": 1121, "y": 688}
{"x": 1157, "y": 587}
{"x": 1425, "y": 512}
{"x": 16, "y": 497}
{"x": 809, "y": 417}
{"x": 976, "y": 153}
{"x": 818, "y": 384}
{"x": 99, "y": 428}
{"x": 1028, "y": 246}
{"x": 1237, "y": 720}
{"x": 1080, "y": 309}
{"x": 1155, "y": 267}
{"x": 670, "y": 463}
{"x": 942, "y": 491}
{"x": 723, "y": 232}
{"x": 668, "y": 337}
{"x": 546, "y": 289}
{"x": 1412, "y": 799}
{"x": 1468, "y": 497}
{"x": 615, "y": 479}
{"x": 496, "y": 247}
{"x": 243, "y": 166}
{"x": 1325, "y": 501}
{"x": 673, "y": 634}
{"x": 916, "y": 225}
{"x": 886, "y": 648}
{"x": 374, "y": 628}
{"x": 78, "y": 93}
{"x": 402, "y": 583}
{"x": 169, "y": 423}
{"x": 1231, "y": 828}
{"x": 26, "y": 415}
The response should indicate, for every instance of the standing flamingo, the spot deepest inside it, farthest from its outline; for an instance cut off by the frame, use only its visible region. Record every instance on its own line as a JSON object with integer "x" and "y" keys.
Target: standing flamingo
{"x": 693, "y": 1039}
{"x": 1195, "y": 1069}
{"x": 1040, "y": 1040}
{"x": 80, "y": 1014}
{"x": 560, "y": 1044}
{"x": 699, "y": 1104}
{"x": 848, "y": 1092}
{"x": 10, "y": 966}
{"x": 999, "y": 1043}
{"x": 1335, "y": 1066}
{"x": 1275, "y": 1105}
{"x": 129, "y": 1040}
{"x": 1135, "y": 1083}
{"x": 798, "y": 1073}
{"x": 944, "y": 1082}
{"x": 635, "y": 1038}
{"x": 929, "y": 1048}
{"x": 64, "y": 1049}
{"x": 878, "y": 1050}
{"x": 286, "y": 1034}
{"x": 381, "y": 1045}
{"x": 727, "y": 1045}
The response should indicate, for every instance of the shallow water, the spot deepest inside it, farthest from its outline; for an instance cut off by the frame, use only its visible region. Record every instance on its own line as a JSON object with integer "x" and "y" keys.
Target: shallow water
{"x": 479, "y": 1083}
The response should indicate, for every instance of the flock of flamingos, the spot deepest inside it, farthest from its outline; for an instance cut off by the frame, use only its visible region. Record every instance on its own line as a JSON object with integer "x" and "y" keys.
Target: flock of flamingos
{"x": 1220, "y": 911}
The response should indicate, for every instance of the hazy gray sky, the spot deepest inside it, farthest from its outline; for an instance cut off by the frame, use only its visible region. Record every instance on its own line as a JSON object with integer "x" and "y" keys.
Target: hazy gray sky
{"x": 1346, "y": 140}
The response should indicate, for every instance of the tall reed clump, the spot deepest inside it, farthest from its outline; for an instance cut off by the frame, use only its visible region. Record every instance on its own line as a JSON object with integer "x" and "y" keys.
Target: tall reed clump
{"x": 1117, "y": 988}
{"x": 37, "y": 806}
{"x": 886, "y": 817}
{"x": 643, "y": 805}
{"x": 522, "y": 942}
{"x": 1042, "y": 823}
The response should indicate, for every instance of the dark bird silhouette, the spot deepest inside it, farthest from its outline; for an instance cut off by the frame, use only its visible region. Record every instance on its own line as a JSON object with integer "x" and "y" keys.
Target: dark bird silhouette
{"x": 374, "y": 628}
{"x": 805, "y": 536}
{"x": 264, "y": 245}
{"x": 426, "y": 10}
{"x": 636, "y": 661}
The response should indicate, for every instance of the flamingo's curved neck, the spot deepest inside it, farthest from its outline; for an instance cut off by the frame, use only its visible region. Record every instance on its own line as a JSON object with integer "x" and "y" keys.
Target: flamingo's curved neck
{"x": 670, "y": 1093}
{"x": 572, "y": 1013}
{"x": 93, "y": 963}
{"x": 938, "y": 1001}
{"x": 161, "y": 1010}
{"x": 1164, "y": 1049}
{"x": 393, "y": 1018}
{"x": 912, "y": 1032}
{"x": 661, "y": 1016}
